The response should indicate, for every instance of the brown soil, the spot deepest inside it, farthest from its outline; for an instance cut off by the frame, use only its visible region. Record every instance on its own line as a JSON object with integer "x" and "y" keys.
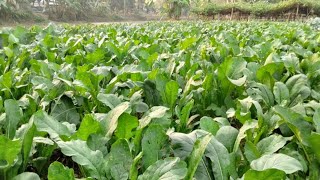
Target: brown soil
{"x": 42, "y": 20}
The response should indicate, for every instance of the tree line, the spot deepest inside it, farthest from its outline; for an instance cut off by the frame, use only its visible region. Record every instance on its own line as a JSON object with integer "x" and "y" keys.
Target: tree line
{"x": 80, "y": 9}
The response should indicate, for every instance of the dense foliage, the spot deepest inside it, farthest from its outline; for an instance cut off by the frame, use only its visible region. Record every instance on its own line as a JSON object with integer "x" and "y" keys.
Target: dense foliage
{"x": 160, "y": 101}
{"x": 20, "y": 10}
{"x": 12, "y": 9}
{"x": 262, "y": 8}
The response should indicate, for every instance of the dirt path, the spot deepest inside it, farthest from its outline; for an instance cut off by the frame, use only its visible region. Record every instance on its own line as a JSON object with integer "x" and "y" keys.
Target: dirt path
{"x": 12, "y": 25}
{"x": 121, "y": 22}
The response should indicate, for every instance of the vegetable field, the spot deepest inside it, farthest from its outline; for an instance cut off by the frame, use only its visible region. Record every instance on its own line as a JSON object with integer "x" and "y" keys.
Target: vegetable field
{"x": 160, "y": 101}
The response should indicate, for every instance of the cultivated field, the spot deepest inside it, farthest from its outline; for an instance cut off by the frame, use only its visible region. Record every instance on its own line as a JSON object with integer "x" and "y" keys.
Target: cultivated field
{"x": 202, "y": 100}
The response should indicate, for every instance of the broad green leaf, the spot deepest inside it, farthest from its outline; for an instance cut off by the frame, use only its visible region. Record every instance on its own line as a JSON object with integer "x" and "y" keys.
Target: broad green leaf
{"x": 27, "y": 176}
{"x": 190, "y": 84}
{"x": 113, "y": 48}
{"x": 84, "y": 156}
{"x": 154, "y": 112}
{"x": 171, "y": 92}
{"x": 119, "y": 160}
{"x": 169, "y": 168}
{"x": 315, "y": 144}
{"x": 58, "y": 171}
{"x": 161, "y": 80}
{"x": 9, "y": 150}
{"x": 84, "y": 83}
{"x": 22, "y": 34}
{"x": 64, "y": 111}
{"x": 291, "y": 150}
{"x": 222, "y": 121}
{"x": 271, "y": 144}
{"x": 269, "y": 174}
{"x": 13, "y": 116}
{"x": 95, "y": 56}
{"x": 110, "y": 100}
{"x": 209, "y": 125}
{"x": 277, "y": 161}
{"x": 170, "y": 68}
{"x": 126, "y": 124}
{"x": 141, "y": 107}
{"x": 238, "y": 82}
{"x": 291, "y": 62}
{"x": 227, "y": 135}
{"x": 42, "y": 83}
{"x": 88, "y": 126}
{"x": 220, "y": 159}
{"x": 270, "y": 72}
{"x": 215, "y": 151}
{"x": 251, "y": 152}
{"x": 152, "y": 142}
{"x": 300, "y": 127}
{"x": 314, "y": 170}
{"x": 182, "y": 145}
{"x": 113, "y": 116}
{"x": 8, "y": 51}
{"x": 186, "y": 43}
{"x": 46, "y": 123}
{"x": 6, "y": 81}
{"x": 234, "y": 166}
{"x": 262, "y": 92}
{"x": 196, "y": 155}
{"x": 242, "y": 133}
{"x": 281, "y": 93}
{"x": 98, "y": 142}
{"x": 316, "y": 120}
{"x": 26, "y": 133}
{"x": 243, "y": 110}
{"x": 42, "y": 140}
{"x": 13, "y": 40}
{"x": 101, "y": 70}
{"x": 298, "y": 86}
{"x": 234, "y": 68}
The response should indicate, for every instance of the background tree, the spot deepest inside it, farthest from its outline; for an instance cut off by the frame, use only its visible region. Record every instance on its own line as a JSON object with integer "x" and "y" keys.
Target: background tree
{"x": 13, "y": 9}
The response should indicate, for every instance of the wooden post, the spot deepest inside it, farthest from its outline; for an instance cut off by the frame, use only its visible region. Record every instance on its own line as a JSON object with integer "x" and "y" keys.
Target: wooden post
{"x": 231, "y": 14}
{"x": 297, "y": 13}
{"x": 124, "y": 6}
